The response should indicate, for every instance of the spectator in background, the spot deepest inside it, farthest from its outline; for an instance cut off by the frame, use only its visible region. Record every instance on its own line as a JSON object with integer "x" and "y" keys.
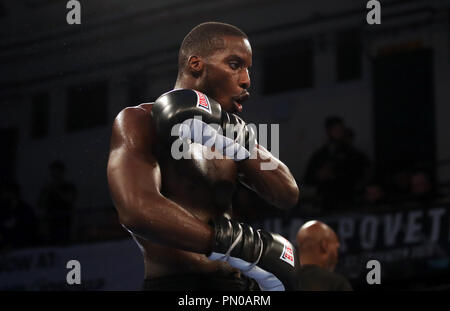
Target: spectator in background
{"x": 360, "y": 159}
{"x": 56, "y": 201}
{"x": 422, "y": 189}
{"x": 18, "y": 222}
{"x": 337, "y": 168}
{"x": 400, "y": 183}
{"x": 373, "y": 196}
{"x": 412, "y": 188}
{"x": 318, "y": 246}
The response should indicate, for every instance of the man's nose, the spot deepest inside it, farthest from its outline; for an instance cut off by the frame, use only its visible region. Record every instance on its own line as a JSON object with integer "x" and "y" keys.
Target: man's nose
{"x": 244, "y": 79}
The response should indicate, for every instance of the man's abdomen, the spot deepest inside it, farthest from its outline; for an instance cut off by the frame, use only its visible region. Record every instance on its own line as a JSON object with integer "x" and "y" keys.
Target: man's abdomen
{"x": 202, "y": 187}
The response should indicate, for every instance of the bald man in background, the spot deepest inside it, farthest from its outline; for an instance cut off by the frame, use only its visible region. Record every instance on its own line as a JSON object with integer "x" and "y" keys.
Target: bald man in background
{"x": 318, "y": 248}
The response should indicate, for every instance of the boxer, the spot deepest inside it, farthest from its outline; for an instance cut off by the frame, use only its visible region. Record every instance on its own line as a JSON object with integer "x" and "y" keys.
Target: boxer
{"x": 179, "y": 210}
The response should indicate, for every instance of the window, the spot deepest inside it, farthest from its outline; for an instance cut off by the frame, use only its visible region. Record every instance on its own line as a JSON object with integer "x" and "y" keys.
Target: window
{"x": 8, "y": 156}
{"x": 87, "y": 106}
{"x": 137, "y": 89}
{"x": 348, "y": 55}
{"x": 2, "y": 10}
{"x": 40, "y": 107}
{"x": 288, "y": 66}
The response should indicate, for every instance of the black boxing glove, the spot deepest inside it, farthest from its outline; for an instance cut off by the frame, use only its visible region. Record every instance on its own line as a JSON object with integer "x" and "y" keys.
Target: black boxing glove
{"x": 189, "y": 114}
{"x": 266, "y": 257}
{"x": 242, "y": 134}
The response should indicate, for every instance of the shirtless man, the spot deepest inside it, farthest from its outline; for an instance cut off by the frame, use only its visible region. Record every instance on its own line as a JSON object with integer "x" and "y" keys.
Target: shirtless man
{"x": 179, "y": 211}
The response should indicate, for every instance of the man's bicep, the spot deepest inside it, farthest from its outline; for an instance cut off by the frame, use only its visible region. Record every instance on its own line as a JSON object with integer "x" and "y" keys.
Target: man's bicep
{"x": 132, "y": 176}
{"x": 133, "y": 171}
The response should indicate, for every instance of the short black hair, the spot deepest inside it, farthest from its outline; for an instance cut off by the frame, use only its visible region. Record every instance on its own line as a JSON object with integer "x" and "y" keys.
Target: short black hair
{"x": 205, "y": 39}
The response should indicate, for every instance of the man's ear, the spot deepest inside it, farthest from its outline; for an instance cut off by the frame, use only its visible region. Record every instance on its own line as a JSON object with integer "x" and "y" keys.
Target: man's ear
{"x": 323, "y": 246}
{"x": 195, "y": 65}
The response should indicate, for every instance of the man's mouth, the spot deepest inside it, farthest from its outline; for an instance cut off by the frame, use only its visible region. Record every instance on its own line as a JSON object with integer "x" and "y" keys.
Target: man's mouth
{"x": 238, "y": 100}
{"x": 237, "y": 106}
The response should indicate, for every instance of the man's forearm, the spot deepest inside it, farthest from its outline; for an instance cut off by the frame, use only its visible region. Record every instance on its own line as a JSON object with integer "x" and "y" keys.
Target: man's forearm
{"x": 164, "y": 222}
{"x": 276, "y": 185}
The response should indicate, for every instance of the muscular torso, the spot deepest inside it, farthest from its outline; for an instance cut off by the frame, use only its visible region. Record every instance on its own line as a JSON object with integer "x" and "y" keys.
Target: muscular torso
{"x": 202, "y": 187}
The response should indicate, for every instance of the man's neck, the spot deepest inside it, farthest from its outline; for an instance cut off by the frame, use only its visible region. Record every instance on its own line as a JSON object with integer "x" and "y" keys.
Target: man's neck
{"x": 184, "y": 83}
{"x": 312, "y": 262}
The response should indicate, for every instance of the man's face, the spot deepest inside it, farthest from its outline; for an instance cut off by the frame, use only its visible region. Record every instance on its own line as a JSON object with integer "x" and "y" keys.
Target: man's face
{"x": 337, "y": 132}
{"x": 226, "y": 77}
{"x": 420, "y": 184}
{"x": 373, "y": 193}
{"x": 57, "y": 174}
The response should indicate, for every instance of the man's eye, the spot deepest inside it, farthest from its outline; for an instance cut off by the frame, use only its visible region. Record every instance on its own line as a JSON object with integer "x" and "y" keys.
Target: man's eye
{"x": 234, "y": 66}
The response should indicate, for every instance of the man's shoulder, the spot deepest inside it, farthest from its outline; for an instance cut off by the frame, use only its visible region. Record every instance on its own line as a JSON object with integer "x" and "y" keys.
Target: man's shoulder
{"x": 146, "y": 106}
{"x": 337, "y": 281}
{"x": 315, "y": 277}
{"x": 131, "y": 112}
{"x": 133, "y": 116}
{"x": 310, "y": 268}
{"x": 133, "y": 127}
{"x": 317, "y": 271}
{"x": 342, "y": 283}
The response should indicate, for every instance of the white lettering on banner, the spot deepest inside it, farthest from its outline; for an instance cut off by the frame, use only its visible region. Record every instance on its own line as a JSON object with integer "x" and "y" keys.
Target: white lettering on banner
{"x": 13, "y": 263}
{"x": 45, "y": 268}
{"x": 396, "y": 229}
{"x": 390, "y": 255}
{"x": 422, "y": 251}
{"x": 368, "y": 232}
{"x": 413, "y": 232}
{"x": 351, "y": 263}
{"x": 436, "y": 216}
{"x": 392, "y": 227}
{"x": 346, "y": 229}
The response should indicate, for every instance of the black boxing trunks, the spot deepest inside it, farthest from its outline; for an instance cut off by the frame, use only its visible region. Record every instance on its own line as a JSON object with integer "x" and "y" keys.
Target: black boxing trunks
{"x": 194, "y": 282}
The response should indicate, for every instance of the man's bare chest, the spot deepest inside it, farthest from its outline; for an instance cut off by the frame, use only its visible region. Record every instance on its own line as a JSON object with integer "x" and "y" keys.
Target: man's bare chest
{"x": 202, "y": 174}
